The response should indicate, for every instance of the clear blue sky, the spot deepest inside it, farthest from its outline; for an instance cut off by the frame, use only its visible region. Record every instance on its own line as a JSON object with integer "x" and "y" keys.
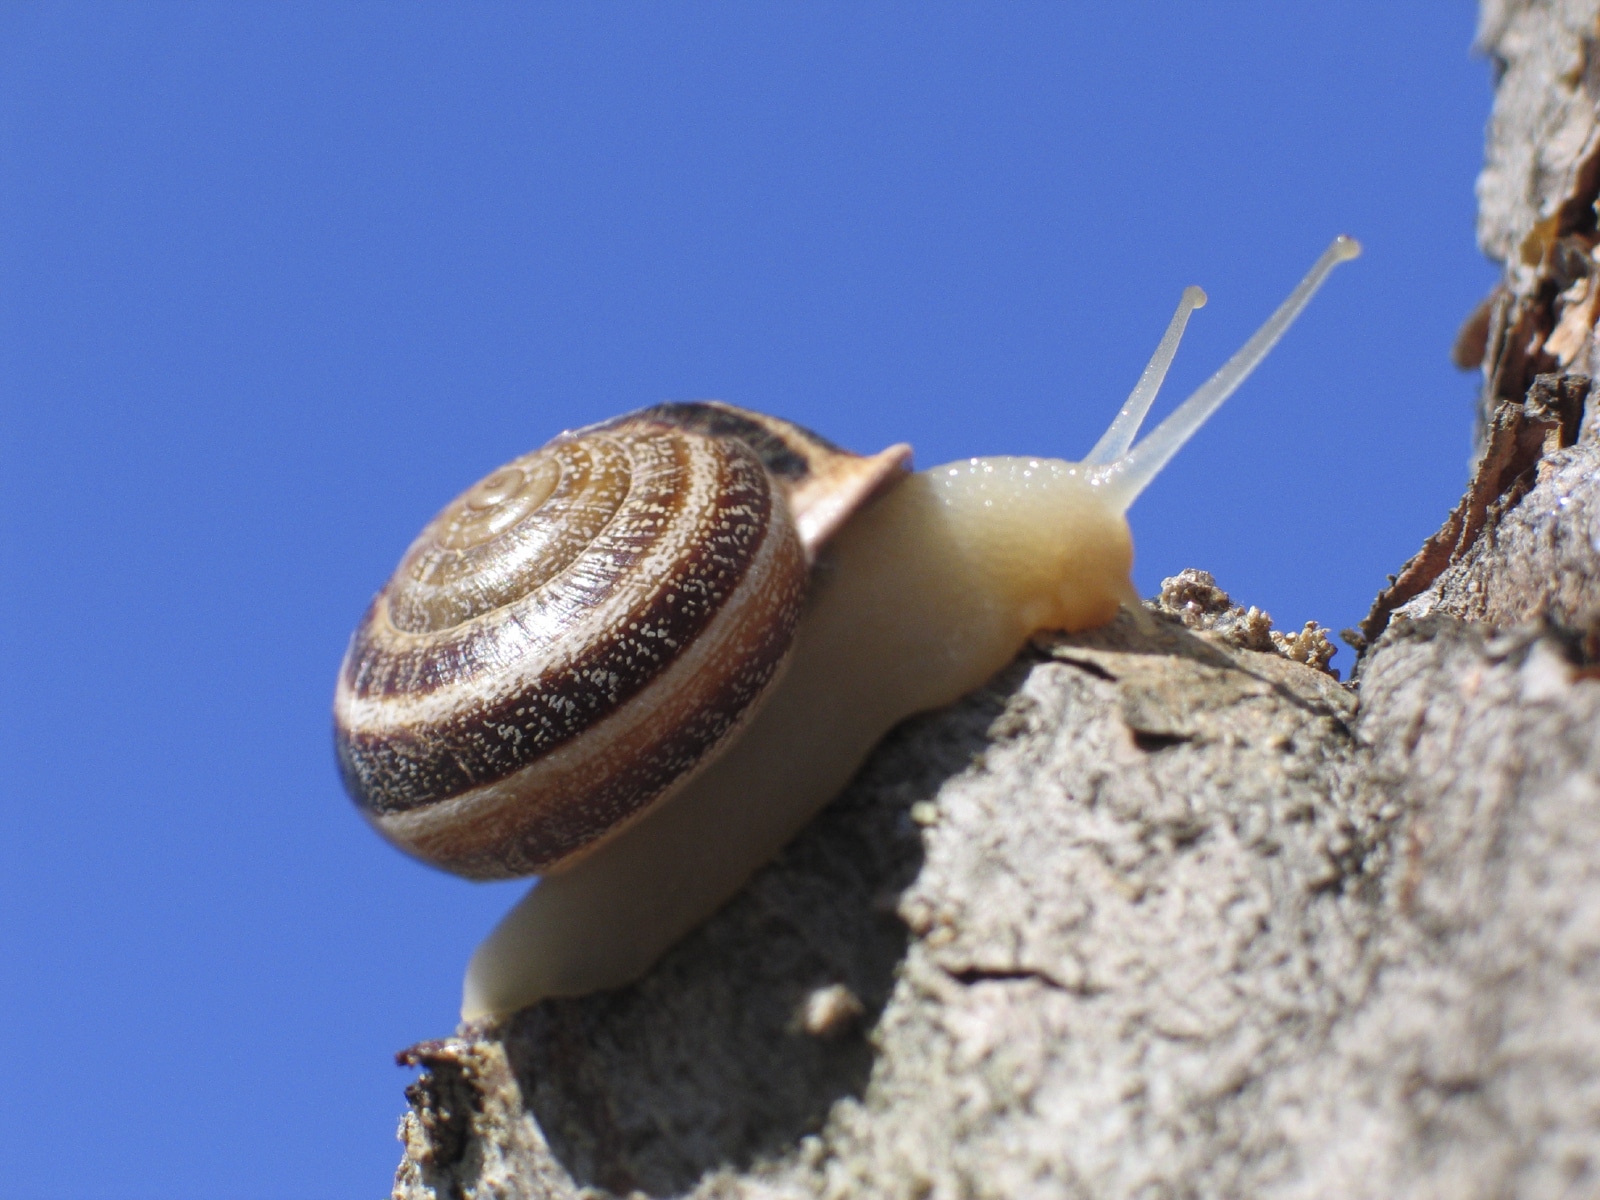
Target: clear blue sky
{"x": 278, "y": 280}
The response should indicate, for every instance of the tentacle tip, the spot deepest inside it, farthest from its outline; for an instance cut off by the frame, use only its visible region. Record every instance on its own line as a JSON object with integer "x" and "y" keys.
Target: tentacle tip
{"x": 1194, "y": 297}
{"x": 1346, "y": 247}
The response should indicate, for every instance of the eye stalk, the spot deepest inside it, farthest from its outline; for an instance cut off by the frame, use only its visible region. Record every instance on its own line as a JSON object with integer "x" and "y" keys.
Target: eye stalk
{"x": 1114, "y": 443}
{"x": 1124, "y": 473}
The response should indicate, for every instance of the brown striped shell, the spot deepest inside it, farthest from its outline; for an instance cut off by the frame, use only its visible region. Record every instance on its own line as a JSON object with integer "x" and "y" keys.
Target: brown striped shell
{"x": 571, "y": 639}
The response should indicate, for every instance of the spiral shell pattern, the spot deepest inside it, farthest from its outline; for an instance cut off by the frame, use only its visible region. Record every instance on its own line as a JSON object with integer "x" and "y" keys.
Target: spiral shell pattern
{"x": 569, "y": 640}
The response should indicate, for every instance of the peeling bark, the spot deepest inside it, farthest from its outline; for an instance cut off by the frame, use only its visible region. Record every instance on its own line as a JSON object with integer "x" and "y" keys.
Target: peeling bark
{"x": 1518, "y": 456}
{"x": 1166, "y": 910}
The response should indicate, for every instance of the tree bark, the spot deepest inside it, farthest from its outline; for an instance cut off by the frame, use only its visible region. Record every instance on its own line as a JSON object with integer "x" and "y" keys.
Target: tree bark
{"x": 1165, "y": 910}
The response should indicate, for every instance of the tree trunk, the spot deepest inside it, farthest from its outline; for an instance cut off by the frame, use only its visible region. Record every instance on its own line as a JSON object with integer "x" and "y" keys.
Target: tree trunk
{"x": 1168, "y": 911}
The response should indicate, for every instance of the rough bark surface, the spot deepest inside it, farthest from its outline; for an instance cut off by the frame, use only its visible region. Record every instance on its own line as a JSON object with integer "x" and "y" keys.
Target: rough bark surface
{"x": 1166, "y": 910}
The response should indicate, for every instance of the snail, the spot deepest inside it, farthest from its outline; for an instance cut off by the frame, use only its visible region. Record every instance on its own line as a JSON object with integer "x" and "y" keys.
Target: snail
{"x": 636, "y": 661}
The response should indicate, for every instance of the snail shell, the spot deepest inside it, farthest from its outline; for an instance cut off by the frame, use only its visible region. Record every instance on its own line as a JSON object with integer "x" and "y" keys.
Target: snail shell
{"x": 570, "y": 640}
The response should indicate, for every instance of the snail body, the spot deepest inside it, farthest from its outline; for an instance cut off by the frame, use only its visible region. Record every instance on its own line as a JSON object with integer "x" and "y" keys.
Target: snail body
{"x": 838, "y": 596}
{"x": 921, "y": 598}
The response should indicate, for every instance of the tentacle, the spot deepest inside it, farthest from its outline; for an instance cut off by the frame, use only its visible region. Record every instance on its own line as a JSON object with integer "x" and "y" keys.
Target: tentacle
{"x": 1125, "y": 478}
{"x": 1114, "y": 443}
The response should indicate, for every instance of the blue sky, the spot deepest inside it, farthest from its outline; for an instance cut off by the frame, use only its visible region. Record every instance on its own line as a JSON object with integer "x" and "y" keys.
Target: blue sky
{"x": 278, "y": 280}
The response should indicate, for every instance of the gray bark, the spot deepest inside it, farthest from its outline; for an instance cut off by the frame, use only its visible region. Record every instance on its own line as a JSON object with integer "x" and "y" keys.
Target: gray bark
{"x": 1165, "y": 910}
